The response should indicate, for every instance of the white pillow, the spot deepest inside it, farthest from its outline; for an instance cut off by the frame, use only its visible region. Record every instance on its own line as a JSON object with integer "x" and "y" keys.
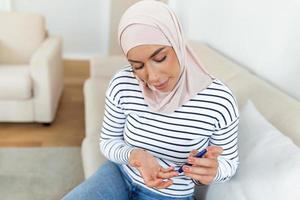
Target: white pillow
{"x": 269, "y": 163}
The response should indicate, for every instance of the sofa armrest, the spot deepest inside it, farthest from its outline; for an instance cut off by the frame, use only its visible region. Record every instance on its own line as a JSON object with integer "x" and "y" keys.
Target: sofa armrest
{"x": 94, "y": 101}
{"x": 91, "y": 156}
{"x": 105, "y": 67}
{"x": 46, "y": 70}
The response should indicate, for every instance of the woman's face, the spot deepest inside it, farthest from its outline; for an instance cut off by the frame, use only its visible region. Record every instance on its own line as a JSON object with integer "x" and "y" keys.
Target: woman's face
{"x": 155, "y": 65}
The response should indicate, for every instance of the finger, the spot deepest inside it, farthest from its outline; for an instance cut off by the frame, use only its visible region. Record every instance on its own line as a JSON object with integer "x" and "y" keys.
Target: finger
{"x": 203, "y": 179}
{"x": 153, "y": 182}
{"x": 213, "y": 152}
{"x": 164, "y": 184}
{"x": 167, "y": 175}
{"x": 193, "y": 153}
{"x": 203, "y": 162}
{"x": 170, "y": 168}
{"x": 204, "y": 171}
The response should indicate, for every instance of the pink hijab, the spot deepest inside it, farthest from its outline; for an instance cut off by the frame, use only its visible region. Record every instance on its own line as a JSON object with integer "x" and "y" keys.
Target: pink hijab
{"x": 152, "y": 22}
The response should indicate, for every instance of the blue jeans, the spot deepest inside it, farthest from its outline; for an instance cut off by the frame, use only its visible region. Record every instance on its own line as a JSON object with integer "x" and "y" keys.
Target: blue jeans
{"x": 111, "y": 183}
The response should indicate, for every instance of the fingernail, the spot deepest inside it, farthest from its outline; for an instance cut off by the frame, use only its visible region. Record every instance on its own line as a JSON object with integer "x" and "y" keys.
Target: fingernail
{"x": 191, "y": 159}
{"x": 194, "y": 152}
{"x": 186, "y": 169}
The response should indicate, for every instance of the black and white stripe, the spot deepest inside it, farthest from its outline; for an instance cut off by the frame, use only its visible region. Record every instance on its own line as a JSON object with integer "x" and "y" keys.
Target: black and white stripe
{"x": 209, "y": 118}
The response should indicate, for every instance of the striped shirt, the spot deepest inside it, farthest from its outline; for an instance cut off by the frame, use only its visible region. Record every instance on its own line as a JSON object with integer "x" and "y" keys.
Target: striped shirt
{"x": 209, "y": 118}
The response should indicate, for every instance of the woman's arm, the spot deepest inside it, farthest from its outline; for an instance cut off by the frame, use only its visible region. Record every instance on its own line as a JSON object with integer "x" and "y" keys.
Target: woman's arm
{"x": 112, "y": 143}
{"x": 221, "y": 160}
{"x": 226, "y": 138}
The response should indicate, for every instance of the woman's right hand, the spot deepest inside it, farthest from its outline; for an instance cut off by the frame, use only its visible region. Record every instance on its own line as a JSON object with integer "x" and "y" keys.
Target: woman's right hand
{"x": 153, "y": 174}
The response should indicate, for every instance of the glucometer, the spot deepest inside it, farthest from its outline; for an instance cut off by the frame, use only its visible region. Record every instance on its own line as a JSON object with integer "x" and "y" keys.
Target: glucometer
{"x": 198, "y": 155}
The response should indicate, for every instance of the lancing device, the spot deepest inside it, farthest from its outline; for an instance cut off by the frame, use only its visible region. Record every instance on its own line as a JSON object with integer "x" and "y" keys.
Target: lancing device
{"x": 198, "y": 155}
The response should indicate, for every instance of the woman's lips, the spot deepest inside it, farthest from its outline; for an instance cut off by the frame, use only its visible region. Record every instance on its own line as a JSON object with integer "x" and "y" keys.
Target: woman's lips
{"x": 161, "y": 86}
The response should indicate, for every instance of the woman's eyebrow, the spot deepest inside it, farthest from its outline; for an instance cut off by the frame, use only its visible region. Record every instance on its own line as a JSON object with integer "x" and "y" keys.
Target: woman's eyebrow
{"x": 135, "y": 61}
{"x": 156, "y": 52}
{"x": 152, "y": 55}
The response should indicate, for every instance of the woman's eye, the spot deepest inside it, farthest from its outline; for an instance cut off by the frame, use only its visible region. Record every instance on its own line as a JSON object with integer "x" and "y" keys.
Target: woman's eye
{"x": 137, "y": 67}
{"x": 160, "y": 60}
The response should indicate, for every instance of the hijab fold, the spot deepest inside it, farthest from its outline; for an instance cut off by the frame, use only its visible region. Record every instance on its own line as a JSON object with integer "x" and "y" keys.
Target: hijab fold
{"x": 154, "y": 23}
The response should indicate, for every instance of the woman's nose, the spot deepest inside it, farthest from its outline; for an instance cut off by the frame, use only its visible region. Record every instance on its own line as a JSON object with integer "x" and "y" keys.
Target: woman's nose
{"x": 153, "y": 76}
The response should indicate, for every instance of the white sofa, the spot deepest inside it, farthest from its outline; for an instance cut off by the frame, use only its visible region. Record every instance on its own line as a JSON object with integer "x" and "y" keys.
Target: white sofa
{"x": 31, "y": 69}
{"x": 278, "y": 108}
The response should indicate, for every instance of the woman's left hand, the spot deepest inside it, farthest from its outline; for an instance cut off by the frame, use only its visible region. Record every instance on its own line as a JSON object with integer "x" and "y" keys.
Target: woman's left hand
{"x": 203, "y": 169}
{"x": 154, "y": 175}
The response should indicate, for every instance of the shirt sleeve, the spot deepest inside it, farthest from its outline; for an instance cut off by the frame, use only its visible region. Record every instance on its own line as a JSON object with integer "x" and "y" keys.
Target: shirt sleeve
{"x": 226, "y": 138}
{"x": 112, "y": 143}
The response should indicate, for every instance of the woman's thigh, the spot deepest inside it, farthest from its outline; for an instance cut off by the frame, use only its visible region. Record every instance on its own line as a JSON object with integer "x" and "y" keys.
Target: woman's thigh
{"x": 106, "y": 183}
{"x": 145, "y": 194}
{"x": 138, "y": 192}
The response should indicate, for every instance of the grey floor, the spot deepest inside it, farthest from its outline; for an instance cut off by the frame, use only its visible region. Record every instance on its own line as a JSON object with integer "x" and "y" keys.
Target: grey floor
{"x": 39, "y": 173}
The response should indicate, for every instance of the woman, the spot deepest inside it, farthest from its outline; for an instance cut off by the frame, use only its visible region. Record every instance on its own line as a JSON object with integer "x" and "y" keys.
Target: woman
{"x": 160, "y": 111}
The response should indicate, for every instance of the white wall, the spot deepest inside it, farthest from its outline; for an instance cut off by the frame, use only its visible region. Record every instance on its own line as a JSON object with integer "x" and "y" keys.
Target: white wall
{"x": 5, "y": 5}
{"x": 262, "y": 35}
{"x": 83, "y": 24}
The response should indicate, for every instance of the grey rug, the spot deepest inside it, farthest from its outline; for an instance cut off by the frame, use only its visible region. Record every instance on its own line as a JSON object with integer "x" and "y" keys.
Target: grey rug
{"x": 39, "y": 173}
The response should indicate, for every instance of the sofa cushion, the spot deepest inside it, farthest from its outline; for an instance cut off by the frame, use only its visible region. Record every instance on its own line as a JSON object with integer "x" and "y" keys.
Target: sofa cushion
{"x": 15, "y": 82}
{"x": 269, "y": 163}
{"x": 278, "y": 108}
{"x": 246, "y": 85}
{"x": 21, "y": 34}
